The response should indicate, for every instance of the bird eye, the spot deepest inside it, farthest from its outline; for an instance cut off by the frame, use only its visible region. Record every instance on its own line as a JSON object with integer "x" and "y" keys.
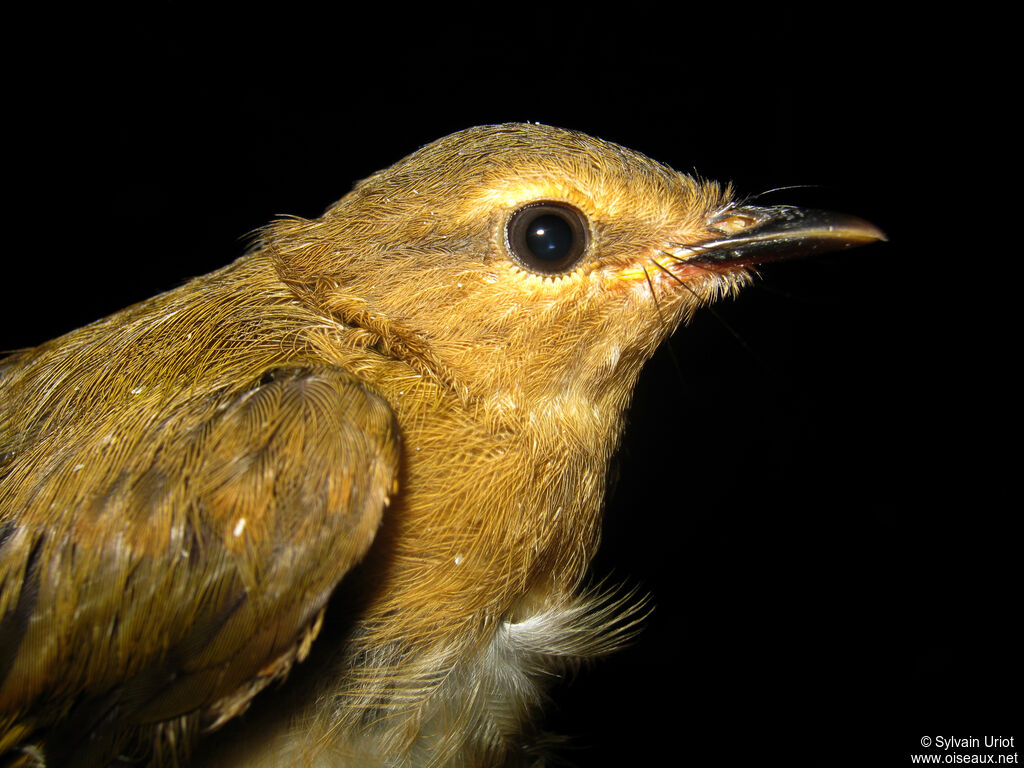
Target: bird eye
{"x": 547, "y": 237}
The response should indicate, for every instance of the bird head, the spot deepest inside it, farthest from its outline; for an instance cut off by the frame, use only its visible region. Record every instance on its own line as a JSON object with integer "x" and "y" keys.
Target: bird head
{"x": 532, "y": 266}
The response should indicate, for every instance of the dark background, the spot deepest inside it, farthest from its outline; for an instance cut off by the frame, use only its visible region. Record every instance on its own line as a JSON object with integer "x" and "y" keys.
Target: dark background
{"x": 819, "y": 503}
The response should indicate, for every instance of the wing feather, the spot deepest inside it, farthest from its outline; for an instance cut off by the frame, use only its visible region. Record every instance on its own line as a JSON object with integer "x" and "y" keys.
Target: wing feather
{"x": 176, "y": 575}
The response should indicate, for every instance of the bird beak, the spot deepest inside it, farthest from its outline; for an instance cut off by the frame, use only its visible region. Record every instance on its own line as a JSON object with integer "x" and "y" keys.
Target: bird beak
{"x": 747, "y": 235}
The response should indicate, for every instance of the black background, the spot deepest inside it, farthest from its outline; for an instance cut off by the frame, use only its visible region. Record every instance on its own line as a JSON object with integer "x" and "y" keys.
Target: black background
{"x": 819, "y": 503}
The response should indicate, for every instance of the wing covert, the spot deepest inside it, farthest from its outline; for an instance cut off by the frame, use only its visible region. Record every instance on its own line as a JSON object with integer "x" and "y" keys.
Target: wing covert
{"x": 172, "y": 582}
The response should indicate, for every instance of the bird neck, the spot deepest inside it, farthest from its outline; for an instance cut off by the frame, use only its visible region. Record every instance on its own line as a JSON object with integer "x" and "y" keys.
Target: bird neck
{"x": 499, "y": 500}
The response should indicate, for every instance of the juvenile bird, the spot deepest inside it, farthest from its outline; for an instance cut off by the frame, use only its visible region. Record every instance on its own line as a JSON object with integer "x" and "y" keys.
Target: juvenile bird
{"x": 407, "y": 408}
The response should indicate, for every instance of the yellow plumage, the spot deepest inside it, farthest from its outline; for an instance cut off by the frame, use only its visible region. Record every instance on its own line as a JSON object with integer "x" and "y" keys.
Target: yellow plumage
{"x": 401, "y": 384}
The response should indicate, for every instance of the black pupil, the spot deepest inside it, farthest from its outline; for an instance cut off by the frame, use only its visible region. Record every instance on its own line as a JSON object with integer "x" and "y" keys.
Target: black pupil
{"x": 549, "y": 237}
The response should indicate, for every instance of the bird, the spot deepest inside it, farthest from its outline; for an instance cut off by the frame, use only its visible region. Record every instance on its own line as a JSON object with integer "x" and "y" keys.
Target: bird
{"x": 334, "y": 504}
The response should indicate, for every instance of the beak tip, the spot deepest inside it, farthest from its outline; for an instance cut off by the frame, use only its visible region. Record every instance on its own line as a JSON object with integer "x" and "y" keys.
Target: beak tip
{"x": 861, "y": 231}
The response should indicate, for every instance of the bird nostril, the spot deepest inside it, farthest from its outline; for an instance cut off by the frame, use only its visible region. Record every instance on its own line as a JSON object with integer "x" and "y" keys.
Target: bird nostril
{"x": 734, "y": 223}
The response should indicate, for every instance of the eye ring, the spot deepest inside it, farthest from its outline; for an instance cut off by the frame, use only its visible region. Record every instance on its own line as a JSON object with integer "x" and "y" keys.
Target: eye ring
{"x": 547, "y": 237}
